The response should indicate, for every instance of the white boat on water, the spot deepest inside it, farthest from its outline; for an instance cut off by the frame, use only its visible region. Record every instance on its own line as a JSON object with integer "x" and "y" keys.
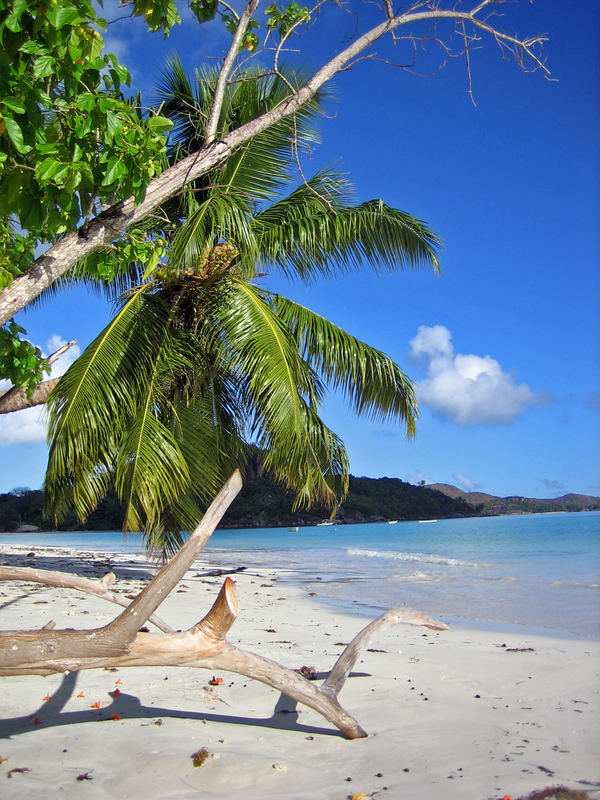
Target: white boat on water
{"x": 423, "y": 521}
{"x": 392, "y": 521}
{"x": 293, "y": 529}
{"x": 324, "y": 524}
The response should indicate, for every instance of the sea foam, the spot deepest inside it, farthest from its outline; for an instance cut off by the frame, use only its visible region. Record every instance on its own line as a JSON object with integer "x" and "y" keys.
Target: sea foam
{"x": 412, "y": 558}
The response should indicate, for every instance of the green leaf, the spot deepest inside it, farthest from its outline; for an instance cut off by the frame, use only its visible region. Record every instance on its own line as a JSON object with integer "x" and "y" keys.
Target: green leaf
{"x": 86, "y": 101}
{"x": 43, "y": 66}
{"x": 48, "y": 169}
{"x": 113, "y": 124}
{"x": 115, "y": 170}
{"x": 159, "y": 124}
{"x": 13, "y": 24}
{"x": 60, "y": 15}
{"x": 34, "y": 47}
{"x": 16, "y": 105}
{"x": 16, "y": 135}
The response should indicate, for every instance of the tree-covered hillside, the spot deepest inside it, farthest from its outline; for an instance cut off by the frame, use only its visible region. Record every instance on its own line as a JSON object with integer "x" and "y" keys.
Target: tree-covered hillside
{"x": 262, "y": 503}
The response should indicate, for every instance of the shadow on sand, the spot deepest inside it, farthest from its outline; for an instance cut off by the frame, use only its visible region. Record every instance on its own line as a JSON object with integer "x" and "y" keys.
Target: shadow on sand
{"x": 51, "y": 714}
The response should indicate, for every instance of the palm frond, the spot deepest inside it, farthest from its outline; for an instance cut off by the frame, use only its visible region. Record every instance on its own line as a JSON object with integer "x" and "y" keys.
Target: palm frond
{"x": 150, "y": 470}
{"x": 220, "y": 217}
{"x": 371, "y": 381}
{"x": 300, "y": 450}
{"x": 95, "y": 399}
{"x": 315, "y": 232}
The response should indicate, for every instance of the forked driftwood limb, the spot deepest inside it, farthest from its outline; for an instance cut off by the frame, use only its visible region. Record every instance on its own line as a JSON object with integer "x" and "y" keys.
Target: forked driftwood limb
{"x": 65, "y": 580}
{"x": 121, "y": 644}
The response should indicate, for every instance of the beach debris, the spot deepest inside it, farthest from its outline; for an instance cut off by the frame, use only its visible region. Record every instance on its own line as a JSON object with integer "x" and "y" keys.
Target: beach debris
{"x": 280, "y": 766}
{"x": 308, "y": 672}
{"x": 200, "y": 756}
{"x": 215, "y": 681}
{"x": 11, "y": 772}
{"x": 85, "y": 776}
{"x": 3, "y": 759}
{"x": 557, "y": 793}
{"x": 361, "y": 796}
{"x": 213, "y": 695}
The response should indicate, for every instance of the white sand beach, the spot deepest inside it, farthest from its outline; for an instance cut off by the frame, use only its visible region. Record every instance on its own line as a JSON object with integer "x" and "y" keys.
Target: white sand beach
{"x": 457, "y": 714}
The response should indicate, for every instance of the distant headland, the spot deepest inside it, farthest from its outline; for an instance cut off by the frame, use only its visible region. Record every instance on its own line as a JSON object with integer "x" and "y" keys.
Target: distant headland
{"x": 265, "y": 504}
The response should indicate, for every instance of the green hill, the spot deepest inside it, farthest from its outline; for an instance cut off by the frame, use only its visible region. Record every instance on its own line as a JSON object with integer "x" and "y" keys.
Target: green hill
{"x": 490, "y": 505}
{"x": 264, "y": 504}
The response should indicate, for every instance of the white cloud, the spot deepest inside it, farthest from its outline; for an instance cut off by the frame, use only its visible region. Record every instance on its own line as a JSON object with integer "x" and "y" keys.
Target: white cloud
{"x": 465, "y": 483}
{"x": 29, "y": 425}
{"x": 468, "y": 389}
{"x": 417, "y": 479}
{"x": 23, "y": 427}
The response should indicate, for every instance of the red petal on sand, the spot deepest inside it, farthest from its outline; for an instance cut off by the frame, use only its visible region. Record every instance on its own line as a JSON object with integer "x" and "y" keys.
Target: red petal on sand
{"x": 96, "y": 704}
{"x": 37, "y": 721}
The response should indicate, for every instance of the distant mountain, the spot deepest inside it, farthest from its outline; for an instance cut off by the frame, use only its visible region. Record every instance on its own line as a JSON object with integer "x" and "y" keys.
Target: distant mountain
{"x": 265, "y": 504}
{"x": 490, "y": 505}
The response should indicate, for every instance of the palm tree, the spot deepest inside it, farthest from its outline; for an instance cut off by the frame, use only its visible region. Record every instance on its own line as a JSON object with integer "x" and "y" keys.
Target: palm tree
{"x": 200, "y": 361}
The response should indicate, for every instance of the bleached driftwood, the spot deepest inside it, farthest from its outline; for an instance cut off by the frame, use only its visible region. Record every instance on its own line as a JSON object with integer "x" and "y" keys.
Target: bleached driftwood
{"x": 120, "y": 643}
{"x": 64, "y": 580}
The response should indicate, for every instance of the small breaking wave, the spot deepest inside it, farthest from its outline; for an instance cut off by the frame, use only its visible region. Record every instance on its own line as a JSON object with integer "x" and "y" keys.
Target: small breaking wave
{"x": 575, "y": 585}
{"x": 412, "y": 558}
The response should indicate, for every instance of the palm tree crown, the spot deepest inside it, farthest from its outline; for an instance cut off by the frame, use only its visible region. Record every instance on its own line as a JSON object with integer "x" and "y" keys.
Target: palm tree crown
{"x": 199, "y": 361}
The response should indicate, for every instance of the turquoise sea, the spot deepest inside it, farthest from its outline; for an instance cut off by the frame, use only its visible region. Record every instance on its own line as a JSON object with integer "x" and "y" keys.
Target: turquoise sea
{"x": 537, "y": 571}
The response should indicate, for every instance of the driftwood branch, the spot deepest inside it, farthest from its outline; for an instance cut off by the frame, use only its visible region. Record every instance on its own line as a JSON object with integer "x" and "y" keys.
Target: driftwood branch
{"x": 204, "y": 645}
{"x": 64, "y": 580}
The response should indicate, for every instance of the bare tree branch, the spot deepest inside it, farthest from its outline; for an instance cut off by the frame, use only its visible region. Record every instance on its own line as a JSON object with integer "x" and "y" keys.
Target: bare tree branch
{"x": 16, "y": 399}
{"x": 234, "y": 48}
{"x": 112, "y": 222}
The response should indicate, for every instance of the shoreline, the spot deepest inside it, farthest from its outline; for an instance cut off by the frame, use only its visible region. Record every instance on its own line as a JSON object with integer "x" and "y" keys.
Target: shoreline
{"x": 453, "y": 714}
{"x": 336, "y": 606}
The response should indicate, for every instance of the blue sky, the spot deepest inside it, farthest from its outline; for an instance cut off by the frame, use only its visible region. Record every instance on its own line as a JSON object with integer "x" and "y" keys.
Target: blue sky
{"x": 504, "y": 345}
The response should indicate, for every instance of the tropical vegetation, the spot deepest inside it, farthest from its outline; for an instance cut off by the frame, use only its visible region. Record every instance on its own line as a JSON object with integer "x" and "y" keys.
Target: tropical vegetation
{"x": 201, "y": 360}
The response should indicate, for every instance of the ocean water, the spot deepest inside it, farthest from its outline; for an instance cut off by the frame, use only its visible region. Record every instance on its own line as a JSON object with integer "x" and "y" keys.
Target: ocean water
{"x": 537, "y": 571}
